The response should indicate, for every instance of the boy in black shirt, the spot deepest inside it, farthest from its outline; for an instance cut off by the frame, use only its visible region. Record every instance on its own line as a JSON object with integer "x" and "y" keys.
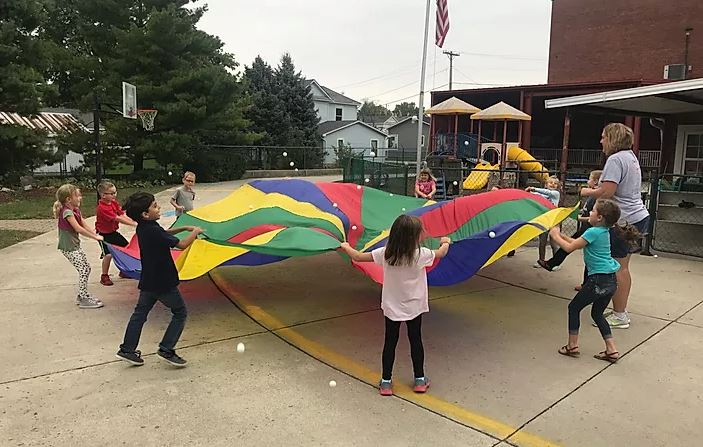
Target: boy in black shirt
{"x": 159, "y": 279}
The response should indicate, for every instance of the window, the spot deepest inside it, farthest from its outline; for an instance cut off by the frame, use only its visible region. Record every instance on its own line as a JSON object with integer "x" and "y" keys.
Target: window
{"x": 693, "y": 155}
{"x": 338, "y": 114}
{"x": 340, "y": 143}
{"x": 393, "y": 141}
{"x": 374, "y": 145}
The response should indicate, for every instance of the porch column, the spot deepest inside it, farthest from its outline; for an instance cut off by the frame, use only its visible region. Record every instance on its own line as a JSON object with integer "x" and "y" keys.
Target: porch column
{"x": 565, "y": 148}
{"x": 526, "y": 134}
{"x": 456, "y": 129}
{"x": 637, "y": 129}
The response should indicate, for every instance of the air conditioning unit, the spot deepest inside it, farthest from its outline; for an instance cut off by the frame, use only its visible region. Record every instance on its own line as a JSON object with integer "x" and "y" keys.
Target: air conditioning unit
{"x": 675, "y": 72}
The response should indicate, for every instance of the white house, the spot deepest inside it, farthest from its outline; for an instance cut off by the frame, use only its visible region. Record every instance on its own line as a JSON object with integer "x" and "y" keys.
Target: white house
{"x": 354, "y": 134}
{"x": 332, "y": 106}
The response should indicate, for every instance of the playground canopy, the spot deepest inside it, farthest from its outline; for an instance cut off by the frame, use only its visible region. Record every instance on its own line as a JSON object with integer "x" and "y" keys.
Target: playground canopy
{"x": 452, "y": 106}
{"x": 501, "y": 112}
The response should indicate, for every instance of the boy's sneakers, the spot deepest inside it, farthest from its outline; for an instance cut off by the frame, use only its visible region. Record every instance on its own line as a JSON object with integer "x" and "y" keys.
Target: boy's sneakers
{"x": 421, "y": 384}
{"x": 172, "y": 358}
{"x": 105, "y": 280}
{"x": 133, "y": 358}
{"x": 385, "y": 388}
{"x": 90, "y": 302}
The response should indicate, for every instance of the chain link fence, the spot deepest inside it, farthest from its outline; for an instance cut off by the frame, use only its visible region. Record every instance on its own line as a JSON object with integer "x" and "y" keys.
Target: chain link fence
{"x": 676, "y": 211}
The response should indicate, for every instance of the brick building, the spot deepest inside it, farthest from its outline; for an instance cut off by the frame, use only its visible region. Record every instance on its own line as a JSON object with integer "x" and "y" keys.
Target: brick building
{"x": 614, "y": 40}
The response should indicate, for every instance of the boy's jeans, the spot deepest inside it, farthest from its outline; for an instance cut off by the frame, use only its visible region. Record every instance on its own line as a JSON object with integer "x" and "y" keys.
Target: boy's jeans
{"x": 171, "y": 299}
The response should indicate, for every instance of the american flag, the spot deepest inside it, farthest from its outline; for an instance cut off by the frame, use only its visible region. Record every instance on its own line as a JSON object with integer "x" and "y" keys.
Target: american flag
{"x": 442, "y": 22}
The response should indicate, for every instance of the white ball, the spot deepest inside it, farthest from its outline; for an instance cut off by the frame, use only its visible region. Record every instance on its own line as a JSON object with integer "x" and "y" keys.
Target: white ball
{"x": 333, "y": 384}
{"x": 367, "y": 180}
{"x": 402, "y": 209}
{"x": 170, "y": 173}
{"x": 373, "y": 154}
{"x": 358, "y": 186}
{"x": 292, "y": 164}
{"x": 491, "y": 234}
{"x": 334, "y": 204}
{"x": 656, "y": 256}
{"x": 455, "y": 183}
{"x": 285, "y": 154}
{"x": 353, "y": 227}
{"x": 296, "y": 169}
{"x": 240, "y": 347}
{"x": 391, "y": 194}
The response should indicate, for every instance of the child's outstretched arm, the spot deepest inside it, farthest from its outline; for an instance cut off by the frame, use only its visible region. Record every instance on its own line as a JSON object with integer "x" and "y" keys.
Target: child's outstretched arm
{"x": 83, "y": 229}
{"x": 186, "y": 241}
{"x": 443, "y": 248}
{"x": 356, "y": 254}
{"x": 566, "y": 243}
{"x": 125, "y": 220}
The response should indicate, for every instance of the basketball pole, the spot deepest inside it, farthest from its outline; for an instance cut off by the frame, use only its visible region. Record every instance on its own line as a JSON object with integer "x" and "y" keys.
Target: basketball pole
{"x": 96, "y": 135}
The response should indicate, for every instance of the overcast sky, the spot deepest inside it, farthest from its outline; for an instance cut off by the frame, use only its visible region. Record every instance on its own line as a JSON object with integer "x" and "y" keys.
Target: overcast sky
{"x": 372, "y": 49}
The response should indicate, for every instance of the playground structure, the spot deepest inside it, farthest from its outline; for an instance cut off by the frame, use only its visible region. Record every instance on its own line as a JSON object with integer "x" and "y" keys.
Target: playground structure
{"x": 485, "y": 160}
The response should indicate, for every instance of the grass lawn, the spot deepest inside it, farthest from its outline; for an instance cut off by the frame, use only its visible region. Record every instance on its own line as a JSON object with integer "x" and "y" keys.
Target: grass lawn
{"x": 36, "y": 204}
{"x": 11, "y": 237}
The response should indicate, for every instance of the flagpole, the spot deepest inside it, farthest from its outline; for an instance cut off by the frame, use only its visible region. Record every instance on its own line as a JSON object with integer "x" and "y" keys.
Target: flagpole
{"x": 421, "y": 110}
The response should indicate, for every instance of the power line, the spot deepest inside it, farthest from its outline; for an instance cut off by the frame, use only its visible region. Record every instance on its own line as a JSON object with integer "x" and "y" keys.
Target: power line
{"x": 503, "y": 56}
{"x": 391, "y": 74}
{"x": 414, "y": 95}
{"x": 401, "y": 87}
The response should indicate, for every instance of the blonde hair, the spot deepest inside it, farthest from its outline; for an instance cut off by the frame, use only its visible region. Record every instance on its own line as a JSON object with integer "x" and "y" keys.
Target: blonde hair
{"x": 595, "y": 175}
{"x": 64, "y": 193}
{"x": 555, "y": 180}
{"x": 187, "y": 173}
{"x": 105, "y": 185}
{"x": 619, "y": 137}
{"x": 428, "y": 172}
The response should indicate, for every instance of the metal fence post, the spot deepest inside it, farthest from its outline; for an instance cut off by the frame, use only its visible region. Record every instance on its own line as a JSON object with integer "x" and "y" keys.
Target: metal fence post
{"x": 406, "y": 171}
{"x": 653, "y": 199}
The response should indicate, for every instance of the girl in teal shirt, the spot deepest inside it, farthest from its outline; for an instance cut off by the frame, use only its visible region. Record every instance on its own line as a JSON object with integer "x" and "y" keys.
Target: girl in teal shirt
{"x": 600, "y": 284}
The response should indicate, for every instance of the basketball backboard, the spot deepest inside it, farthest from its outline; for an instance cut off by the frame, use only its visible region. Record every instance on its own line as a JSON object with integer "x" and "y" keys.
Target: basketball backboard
{"x": 129, "y": 100}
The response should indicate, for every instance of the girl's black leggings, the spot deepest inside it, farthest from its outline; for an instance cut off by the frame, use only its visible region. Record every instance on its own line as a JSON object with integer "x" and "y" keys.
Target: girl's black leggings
{"x": 597, "y": 290}
{"x": 417, "y": 352}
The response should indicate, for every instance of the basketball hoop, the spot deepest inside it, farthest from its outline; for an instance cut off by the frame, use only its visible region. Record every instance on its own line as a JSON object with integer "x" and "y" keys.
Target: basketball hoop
{"x": 147, "y": 116}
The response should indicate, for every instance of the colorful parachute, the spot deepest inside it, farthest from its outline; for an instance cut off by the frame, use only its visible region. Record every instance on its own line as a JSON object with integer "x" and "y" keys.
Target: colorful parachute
{"x": 267, "y": 221}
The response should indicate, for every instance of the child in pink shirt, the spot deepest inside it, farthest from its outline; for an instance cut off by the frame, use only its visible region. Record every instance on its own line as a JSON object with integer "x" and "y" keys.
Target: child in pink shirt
{"x": 404, "y": 296}
{"x": 426, "y": 185}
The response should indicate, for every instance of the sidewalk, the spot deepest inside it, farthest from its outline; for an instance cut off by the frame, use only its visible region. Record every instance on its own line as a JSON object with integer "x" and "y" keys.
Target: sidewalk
{"x": 490, "y": 347}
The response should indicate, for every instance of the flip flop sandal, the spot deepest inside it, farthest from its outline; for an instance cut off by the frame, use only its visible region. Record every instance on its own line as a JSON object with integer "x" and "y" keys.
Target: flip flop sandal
{"x": 569, "y": 352}
{"x": 611, "y": 357}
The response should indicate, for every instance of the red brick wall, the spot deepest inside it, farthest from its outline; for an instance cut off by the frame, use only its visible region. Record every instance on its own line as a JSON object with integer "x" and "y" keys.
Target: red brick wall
{"x": 606, "y": 40}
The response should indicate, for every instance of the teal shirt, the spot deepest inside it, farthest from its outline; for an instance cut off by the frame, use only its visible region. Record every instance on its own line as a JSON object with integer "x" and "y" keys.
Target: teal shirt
{"x": 596, "y": 254}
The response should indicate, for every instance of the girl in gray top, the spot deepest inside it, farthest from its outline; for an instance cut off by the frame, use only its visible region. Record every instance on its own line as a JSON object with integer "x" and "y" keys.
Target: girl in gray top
{"x": 621, "y": 181}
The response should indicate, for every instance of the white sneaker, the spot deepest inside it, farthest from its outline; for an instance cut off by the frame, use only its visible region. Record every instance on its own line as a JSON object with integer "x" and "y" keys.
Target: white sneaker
{"x": 616, "y": 322}
{"x": 90, "y": 303}
{"x": 536, "y": 266}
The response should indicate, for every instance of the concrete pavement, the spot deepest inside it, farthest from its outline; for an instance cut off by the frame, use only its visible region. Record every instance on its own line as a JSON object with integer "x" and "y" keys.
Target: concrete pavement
{"x": 490, "y": 350}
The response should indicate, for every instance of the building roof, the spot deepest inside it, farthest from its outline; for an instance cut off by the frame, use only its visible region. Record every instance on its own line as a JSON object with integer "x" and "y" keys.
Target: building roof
{"x": 406, "y": 118}
{"x": 500, "y": 112}
{"x": 661, "y": 99}
{"x": 52, "y": 122}
{"x": 335, "y": 97}
{"x": 329, "y": 127}
{"x": 452, "y": 106}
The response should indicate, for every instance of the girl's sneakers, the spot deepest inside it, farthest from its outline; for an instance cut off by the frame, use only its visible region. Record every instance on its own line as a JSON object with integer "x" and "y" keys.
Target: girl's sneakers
{"x": 90, "y": 302}
{"x": 421, "y": 384}
{"x": 385, "y": 388}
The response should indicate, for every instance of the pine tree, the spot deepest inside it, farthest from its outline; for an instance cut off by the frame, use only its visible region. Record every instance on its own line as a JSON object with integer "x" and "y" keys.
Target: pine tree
{"x": 23, "y": 56}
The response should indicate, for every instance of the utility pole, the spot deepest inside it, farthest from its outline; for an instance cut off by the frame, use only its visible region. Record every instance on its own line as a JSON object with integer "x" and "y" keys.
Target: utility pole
{"x": 451, "y": 55}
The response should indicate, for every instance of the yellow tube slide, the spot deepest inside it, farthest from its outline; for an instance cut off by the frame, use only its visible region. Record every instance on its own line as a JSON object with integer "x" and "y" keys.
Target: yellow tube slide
{"x": 478, "y": 179}
{"x": 527, "y": 163}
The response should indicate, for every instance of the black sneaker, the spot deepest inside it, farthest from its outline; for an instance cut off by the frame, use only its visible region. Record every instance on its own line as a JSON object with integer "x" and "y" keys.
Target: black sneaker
{"x": 172, "y": 358}
{"x": 133, "y": 358}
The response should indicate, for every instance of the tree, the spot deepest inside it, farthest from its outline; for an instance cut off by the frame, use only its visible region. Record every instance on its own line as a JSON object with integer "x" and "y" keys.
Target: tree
{"x": 283, "y": 112}
{"x": 406, "y": 109}
{"x": 370, "y": 109}
{"x": 178, "y": 69}
{"x": 23, "y": 56}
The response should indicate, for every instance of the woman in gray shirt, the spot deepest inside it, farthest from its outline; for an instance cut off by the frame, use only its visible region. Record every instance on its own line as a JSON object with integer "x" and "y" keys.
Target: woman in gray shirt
{"x": 621, "y": 181}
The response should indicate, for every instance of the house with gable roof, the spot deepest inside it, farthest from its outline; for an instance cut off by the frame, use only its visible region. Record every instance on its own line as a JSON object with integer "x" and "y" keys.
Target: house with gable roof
{"x": 332, "y": 106}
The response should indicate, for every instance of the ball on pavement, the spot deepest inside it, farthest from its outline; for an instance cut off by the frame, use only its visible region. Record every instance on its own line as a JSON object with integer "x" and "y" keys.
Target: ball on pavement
{"x": 491, "y": 234}
{"x": 656, "y": 256}
{"x": 240, "y": 347}
{"x": 333, "y": 384}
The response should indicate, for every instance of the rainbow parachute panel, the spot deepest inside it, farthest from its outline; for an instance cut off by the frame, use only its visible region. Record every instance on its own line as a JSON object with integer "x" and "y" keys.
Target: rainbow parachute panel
{"x": 268, "y": 221}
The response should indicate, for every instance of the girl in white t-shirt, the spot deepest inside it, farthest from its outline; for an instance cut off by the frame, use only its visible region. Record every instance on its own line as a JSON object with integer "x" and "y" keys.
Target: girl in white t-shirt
{"x": 404, "y": 296}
